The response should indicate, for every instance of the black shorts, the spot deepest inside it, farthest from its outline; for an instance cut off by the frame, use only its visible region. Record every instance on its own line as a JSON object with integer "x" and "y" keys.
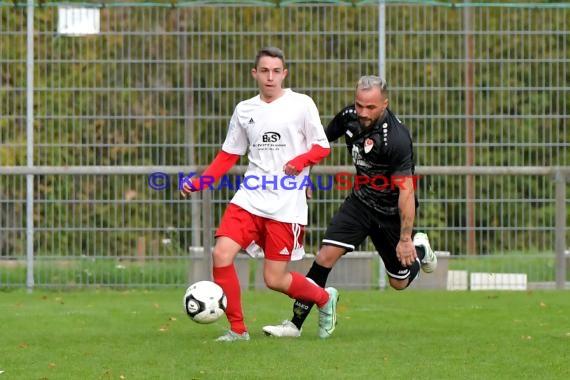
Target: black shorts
{"x": 354, "y": 221}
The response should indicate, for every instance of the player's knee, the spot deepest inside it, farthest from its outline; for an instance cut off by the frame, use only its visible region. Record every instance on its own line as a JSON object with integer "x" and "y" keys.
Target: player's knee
{"x": 399, "y": 284}
{"x": 218, "y": 253}
{"x": 329, "y": 255}
{"x": 273, "y": 286}
{"x": 221, "y": 256}
{"x": 273, "y": 282}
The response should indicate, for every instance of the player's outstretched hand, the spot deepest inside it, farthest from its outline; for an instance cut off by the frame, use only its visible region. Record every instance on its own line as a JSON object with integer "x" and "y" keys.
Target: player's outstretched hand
{"x": 187, "y": 189}
{"x": 290, "y": 169}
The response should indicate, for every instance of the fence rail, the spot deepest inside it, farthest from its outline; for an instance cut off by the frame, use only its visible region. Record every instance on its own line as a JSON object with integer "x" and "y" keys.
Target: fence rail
{"x": 553, "y": 171}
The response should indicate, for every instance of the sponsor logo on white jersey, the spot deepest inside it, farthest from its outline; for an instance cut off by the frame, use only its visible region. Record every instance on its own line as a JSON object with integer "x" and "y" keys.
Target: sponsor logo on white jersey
{"x": 270, "y": 137}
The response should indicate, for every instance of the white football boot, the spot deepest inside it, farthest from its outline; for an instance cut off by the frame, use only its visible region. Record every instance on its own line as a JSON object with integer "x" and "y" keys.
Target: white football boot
{"x": 231, "y": 336}
{"x": 285, "y": 330}
{"x": 429, "y": 263}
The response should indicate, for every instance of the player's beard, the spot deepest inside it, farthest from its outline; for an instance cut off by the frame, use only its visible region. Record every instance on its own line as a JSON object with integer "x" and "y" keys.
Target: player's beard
{"x": 366, "y": 123}
{"x": 371, "y": 122}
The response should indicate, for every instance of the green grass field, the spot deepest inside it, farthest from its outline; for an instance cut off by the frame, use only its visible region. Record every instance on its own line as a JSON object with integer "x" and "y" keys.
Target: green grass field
{"x": 106, "y": 334}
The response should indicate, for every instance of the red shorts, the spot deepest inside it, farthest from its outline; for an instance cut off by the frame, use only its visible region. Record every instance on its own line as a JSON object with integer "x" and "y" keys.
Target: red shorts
{"x": 278, "y": 239}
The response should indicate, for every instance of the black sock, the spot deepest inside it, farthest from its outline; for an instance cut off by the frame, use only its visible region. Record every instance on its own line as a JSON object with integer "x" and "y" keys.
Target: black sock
{"x": 421, "y": 252}
{"x": 301, "y": 309}
{"x": 414, "y": 270}
{"x": 319, "y": 274}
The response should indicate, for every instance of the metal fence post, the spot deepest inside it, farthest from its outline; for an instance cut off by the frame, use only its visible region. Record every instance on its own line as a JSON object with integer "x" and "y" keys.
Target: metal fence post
{"x": 560, "y": 228}
{"x": 201, "y": 256}
{"x": 30, "y": 147}
{"x": 207, "y": 228}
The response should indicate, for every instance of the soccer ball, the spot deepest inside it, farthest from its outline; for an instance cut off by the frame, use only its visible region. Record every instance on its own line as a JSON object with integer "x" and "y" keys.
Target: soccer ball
{"x": 205, "y": 302}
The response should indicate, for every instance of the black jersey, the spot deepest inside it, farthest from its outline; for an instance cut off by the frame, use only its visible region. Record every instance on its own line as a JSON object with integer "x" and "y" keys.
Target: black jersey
{"x": 383, "y": 151}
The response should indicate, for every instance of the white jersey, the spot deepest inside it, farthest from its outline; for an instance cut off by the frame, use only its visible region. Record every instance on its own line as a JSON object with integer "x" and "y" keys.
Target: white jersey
{"x": 273, "y": 134}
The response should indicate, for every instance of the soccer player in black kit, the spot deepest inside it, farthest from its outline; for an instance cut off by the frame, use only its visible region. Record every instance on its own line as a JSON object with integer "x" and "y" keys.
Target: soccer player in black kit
{"x": 381, "y": 147}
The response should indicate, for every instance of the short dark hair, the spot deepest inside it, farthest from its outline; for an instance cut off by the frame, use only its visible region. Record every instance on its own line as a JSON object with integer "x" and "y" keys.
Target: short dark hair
{"x": 269, "y": 51}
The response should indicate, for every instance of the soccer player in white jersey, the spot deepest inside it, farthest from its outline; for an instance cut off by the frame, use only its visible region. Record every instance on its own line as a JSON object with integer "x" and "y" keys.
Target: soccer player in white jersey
{"x": 281, "y": 132}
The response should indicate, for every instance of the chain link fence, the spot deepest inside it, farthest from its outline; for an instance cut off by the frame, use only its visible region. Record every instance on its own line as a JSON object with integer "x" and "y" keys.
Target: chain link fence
{"x": 88, "y": 116}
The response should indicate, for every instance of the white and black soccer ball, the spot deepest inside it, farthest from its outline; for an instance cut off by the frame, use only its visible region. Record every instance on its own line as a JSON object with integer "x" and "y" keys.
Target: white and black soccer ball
{"x": 205, "y": 302}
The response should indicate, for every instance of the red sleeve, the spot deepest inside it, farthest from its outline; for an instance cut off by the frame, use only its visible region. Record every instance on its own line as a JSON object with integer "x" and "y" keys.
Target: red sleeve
{"x": 221, "y": 164}
{"x": 313, "y": 156}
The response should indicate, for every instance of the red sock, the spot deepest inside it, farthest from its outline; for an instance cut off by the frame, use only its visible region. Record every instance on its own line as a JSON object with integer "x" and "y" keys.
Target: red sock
{"x": 228, "y": 279}
{"x": 303, "y": 289}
